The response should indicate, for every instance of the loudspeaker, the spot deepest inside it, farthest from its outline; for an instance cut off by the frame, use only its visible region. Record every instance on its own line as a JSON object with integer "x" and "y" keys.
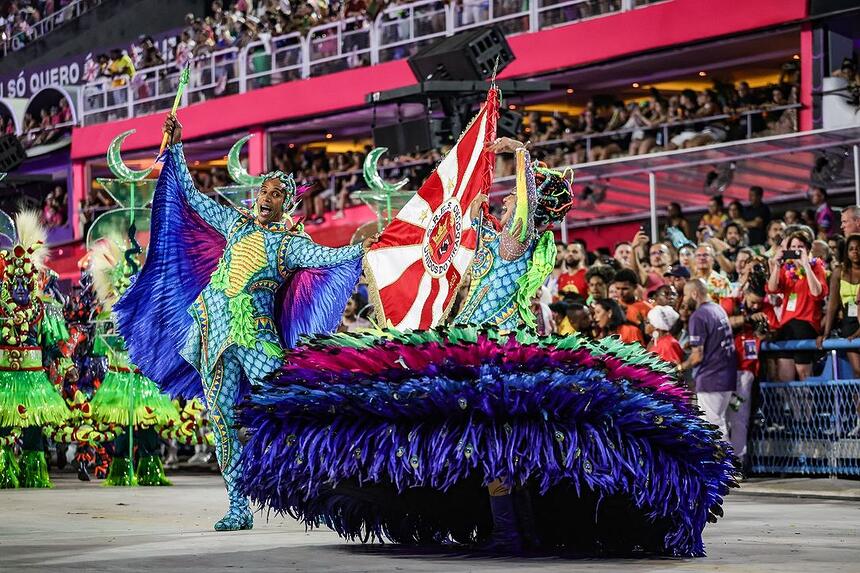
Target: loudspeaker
{"x": 12, "y": 153}
{"x": 408, "y": 136}
{"x": 469, "y": 55}
{"x": 509, "y": 123}
{"x": 414, "y": 135}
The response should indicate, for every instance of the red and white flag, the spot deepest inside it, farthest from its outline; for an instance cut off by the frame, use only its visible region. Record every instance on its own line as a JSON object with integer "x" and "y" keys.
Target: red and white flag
{"x": 416, "y": 267}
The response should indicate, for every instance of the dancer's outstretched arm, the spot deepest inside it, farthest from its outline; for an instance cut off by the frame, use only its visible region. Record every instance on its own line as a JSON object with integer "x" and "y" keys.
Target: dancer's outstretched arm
{"x": 298, "y": 252}
{"x": 220, "y": 217}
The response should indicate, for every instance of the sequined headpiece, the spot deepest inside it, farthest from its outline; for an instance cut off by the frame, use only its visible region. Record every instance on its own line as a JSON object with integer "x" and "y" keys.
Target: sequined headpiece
{"x": 21, "y": 262}
{"x": 287, "y": 180}
{"x": 554, "y": 194}
{"x": 27, "y": 258}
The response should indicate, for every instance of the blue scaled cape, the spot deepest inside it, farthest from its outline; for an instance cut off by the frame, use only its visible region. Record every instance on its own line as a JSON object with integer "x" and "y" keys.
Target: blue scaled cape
{"x": 184, "y": 250}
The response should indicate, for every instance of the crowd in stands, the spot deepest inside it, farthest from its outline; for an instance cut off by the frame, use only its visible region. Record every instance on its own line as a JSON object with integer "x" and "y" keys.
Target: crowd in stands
{"x": 332, "y": 178}
{"x": 237, "y": 24}
{"x": 21, "y": 17}
{"x": 49, "y": 125}
{"x": 558, "y": 139}
{"x": 663, "y": 122}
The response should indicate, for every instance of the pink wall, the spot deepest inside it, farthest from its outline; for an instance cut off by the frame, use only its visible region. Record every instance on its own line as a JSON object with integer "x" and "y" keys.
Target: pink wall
{"x": 580, "y": 43}
{"x": 805, "y": 116}
{"x": 258, "y": 151}
{"x": 605, "y": 235}
{"x": 78, "y": 193}
{"x": 648, "y": 28}
{"x": 279, "y": 103}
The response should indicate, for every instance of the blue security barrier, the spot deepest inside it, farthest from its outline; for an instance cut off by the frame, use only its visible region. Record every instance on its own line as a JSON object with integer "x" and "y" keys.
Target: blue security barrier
{"x": 809, "y": 427}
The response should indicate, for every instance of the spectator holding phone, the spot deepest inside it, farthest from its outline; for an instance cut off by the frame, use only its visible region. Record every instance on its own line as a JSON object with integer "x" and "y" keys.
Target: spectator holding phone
{"x": 801, "y": 283}
{"x": 752, "y": 319}
{"x": 846, "y": 281}
{"x": 715, "y": 219}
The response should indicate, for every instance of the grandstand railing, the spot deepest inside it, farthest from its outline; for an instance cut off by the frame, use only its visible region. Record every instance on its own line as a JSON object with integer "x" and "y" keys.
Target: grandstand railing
{"x": 809, "y": 427}
{"x": 397, "y": 32}
{"x": 668, "y": 128}
{"x": 44, "y": 26}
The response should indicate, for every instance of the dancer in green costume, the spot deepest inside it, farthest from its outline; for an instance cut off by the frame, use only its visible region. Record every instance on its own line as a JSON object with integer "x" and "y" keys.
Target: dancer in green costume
{"x": 125, "y": 397}
{"x": 30, "y": 330}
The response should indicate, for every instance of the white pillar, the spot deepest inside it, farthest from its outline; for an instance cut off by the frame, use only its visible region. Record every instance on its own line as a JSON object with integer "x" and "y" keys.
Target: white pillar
{"x": 652, "y": 184}
{"x": 856, "y": 174}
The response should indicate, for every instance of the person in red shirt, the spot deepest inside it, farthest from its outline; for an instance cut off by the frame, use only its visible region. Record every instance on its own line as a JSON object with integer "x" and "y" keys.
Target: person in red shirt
{"x": 572, "y": 278}
{"x": 608, "y": 320}
{"x": 752, "y": 318}
{"x": 662, "y": 320}
{"x": 801, "y": 282}
{"x": 626, "y": 285}
{"x": 65, "y": 111}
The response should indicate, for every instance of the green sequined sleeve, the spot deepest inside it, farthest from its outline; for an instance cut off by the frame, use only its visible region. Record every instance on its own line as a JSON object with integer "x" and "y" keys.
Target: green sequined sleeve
{"x": 298, "y": 252}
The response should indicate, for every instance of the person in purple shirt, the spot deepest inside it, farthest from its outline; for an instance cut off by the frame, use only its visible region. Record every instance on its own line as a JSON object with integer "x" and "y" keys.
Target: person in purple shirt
{"x": 825, "y": 219}
{"x": 712, "y": 357}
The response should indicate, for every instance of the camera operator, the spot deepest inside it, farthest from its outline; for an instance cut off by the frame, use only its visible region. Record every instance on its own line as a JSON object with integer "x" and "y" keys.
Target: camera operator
{"x": 846, "y": 281}
{"x": 752, "y": 319}
{"x": 801, "y": 282}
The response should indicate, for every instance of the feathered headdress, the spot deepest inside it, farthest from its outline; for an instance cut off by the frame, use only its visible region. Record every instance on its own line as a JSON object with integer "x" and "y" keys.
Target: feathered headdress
{"x": 111, "y": 273}
{"x": 28, "y": 255}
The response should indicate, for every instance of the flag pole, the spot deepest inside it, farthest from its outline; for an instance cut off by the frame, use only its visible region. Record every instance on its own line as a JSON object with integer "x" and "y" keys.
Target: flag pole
{"x": 183, "y": 81}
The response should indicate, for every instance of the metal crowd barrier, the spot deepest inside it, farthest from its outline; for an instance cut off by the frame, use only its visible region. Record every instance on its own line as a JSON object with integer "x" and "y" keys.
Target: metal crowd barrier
{"x": 809, "y": 427}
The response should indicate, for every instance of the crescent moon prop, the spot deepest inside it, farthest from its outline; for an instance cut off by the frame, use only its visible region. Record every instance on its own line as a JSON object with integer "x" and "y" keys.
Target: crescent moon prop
{"x": 116, "y": 165}
{"x": 234, "y": 165}
{"x": 371, "y": 173}
{"x": 7, "y": 229}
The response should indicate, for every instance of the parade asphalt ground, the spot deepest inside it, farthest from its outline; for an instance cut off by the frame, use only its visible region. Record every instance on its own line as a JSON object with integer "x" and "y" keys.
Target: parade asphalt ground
{"x": 781, "y": 525}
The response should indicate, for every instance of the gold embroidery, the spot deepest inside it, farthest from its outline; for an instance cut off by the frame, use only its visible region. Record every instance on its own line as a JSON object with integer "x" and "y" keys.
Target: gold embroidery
{"x": 247, "y": 258}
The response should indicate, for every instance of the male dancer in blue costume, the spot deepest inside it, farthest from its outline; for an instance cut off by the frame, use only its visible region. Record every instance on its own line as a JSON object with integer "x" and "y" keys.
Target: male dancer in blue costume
{"x": 226, "y": 323}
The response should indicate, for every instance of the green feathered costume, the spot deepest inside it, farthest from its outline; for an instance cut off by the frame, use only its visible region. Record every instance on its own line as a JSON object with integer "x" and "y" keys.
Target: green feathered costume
{"x": 31, "y": 327}
{"x": 126, "y": 397}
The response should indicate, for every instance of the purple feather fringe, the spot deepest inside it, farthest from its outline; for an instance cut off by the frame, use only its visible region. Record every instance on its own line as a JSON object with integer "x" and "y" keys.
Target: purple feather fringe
{"x": 401, "y": 449}
{"x": 152, "y": 314}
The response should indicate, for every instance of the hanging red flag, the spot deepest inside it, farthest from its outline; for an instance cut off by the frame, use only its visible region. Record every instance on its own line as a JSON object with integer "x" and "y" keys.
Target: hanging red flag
{"x": 415, "y": 269}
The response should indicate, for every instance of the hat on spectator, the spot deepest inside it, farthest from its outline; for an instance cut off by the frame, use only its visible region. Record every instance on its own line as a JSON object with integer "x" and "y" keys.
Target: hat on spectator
{"x": 663, "y": 317}
{"x": 678, "y": 271}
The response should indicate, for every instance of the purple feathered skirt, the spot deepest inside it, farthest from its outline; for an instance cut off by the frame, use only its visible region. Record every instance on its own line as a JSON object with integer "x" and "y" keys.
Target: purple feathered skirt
{"x": 394, "y": 436}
